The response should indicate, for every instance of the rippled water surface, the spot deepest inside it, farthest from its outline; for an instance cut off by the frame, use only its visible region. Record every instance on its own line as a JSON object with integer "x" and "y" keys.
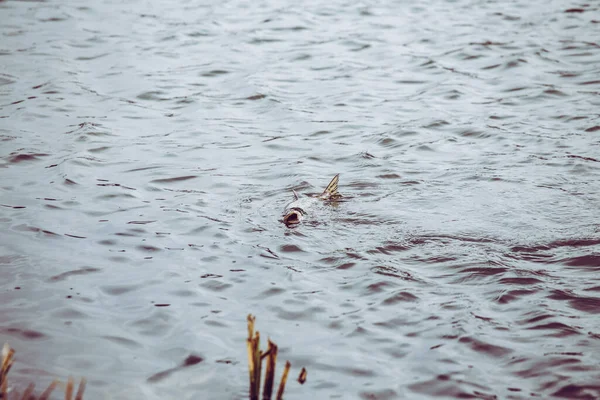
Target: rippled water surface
{"x": 147, "y": 149}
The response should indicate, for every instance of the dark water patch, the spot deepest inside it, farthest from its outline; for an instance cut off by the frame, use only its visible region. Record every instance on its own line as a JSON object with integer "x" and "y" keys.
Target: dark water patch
{"x": 581, "y": 303}
{"x": 117, "y": 290}
{"x": 256, "y": 97}
{"x": 148, "y": 248}
{"x": 68, "y": 313}
{"x": 215, "y": 286}
{"x": 558, "y": 328}
{"x": 475, "y": 133}
{"x": 579, "y": 392}
{"x": 511, "y": 296}
{"x": 592, "y": 261}
{"x": 350, "y": 371}
{"x": 91, "y": 129}
{"x": 400, "y": 297}
{"x": 140, "y": 223}
{"x": 153, "y": 95}
{"x": 538, "y": 316}
{"x": 476, "y": 274}
{"x": 519, "y": 281}
{"x": 388, "y": 142}
{"x": 270, "y": 293}
{"x": 183, "y": 293}
{"x": 113, "y": 196}
{"x": 446, "y": 386}
{"x": 214, "y": 73}
{"x": 358, "y": 332}
{"x": 394, "y": 272}
{"x": 77, "y": 272}
{"x": 143, "y": 168}
{"x": 307, "y": 314}
{"x": 16, "y": 158}
{"x": 574, "y": 242}
{"x": 583, "y": 158}
{"x": 378, "y": 287}
{"x": 188, "y": 362}
{"x": 268, "y": 253}
{"x": 346, "y": 265}
{"x": 29, "y": 228}
{"x": 383, "y": 394}
{"x": 113, "y": 184}
{"x": 26, "y": 334}
{"x": 211, "y": 276}
{"x": 123, "y": 341}
{"x": 99, "y": 149}
{"x": 13, "y": 207}
{"x": 389, "y": 176}
{"x": 290, "y": 248}
{"x": 480, "y": 346}
{"x": 390, "y": 248}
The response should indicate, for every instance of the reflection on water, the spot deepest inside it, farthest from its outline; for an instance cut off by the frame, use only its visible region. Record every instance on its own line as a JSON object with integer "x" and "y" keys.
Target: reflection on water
{"x": 147, "y": 150}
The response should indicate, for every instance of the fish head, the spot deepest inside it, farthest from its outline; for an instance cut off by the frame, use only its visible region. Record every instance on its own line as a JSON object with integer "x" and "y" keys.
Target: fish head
{"x": 293, "y": 216}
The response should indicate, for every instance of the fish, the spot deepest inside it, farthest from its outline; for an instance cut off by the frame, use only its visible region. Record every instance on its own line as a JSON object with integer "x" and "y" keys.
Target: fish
{"x": 299, "y": 208}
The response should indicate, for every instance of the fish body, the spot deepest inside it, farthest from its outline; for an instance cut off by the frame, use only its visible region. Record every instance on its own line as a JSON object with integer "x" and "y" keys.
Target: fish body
{"x": 300, "y": 207}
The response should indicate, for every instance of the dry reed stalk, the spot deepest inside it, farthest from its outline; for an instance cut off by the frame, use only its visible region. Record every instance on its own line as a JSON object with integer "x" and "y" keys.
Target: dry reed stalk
{"x": 81, "y": 389}
{"x": 28, "y": 393}
{"x": 255, "y": 357}
{"x": 69, "y": 389}
{"x": 46, "y": 394}
{"x": 286, "y": 370}
{"x": 7, "y": 360}
{"x": 302, "y": 376}
{"x": 271, "y": 356}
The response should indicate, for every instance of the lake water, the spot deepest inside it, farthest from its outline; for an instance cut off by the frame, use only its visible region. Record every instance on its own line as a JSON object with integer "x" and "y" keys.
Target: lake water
{"x": 147, "y": 150}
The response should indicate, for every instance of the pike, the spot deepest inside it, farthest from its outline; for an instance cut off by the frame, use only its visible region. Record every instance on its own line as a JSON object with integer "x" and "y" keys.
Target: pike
{"x": 298, "y": 209}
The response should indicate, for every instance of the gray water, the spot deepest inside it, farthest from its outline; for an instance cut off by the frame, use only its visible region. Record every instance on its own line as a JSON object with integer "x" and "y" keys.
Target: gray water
{"x": 147, "y": 149}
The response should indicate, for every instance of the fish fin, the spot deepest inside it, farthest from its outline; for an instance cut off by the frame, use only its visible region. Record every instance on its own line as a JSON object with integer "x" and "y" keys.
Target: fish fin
{"x": 296, "y": 197}
{"x": 332, "y": 189}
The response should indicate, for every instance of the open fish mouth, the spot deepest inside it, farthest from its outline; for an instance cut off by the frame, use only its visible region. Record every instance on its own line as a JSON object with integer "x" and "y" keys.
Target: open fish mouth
{"x": 293, "y": 217}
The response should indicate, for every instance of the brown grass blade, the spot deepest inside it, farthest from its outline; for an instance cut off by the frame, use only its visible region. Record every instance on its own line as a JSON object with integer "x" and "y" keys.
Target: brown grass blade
{"x": 28, "y": 393}
{"x": 79, "y": 395}
{"x": 69, "y": 389}
{"x": 7, "y": 360}
{"x": 270, "y": 372}
{"x": 254, "y": 359}
{"x": 281, "y": 389}
{"x": 302, "y": 376}
{"x": 46, "y": 394}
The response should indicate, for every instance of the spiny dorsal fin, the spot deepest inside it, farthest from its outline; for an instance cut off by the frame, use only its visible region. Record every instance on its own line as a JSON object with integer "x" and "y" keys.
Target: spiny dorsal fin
{"x": 296, "y": 197}
{"x": 332, "y": 189}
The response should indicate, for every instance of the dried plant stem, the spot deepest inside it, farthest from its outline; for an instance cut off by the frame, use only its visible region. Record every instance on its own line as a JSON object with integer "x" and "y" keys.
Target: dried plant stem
{"x": 302, "y": 376}
{"x": 28, "y": 393}
{"x": 270, "y": 373}
{"x": 254, "y": 359}
{"x": 69, "y": 389}
{"x": 286, "y": 370}
{"x": 81, "y": 389}
{"x": 7, "y": 360}
{"x": 49, "y": 390}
